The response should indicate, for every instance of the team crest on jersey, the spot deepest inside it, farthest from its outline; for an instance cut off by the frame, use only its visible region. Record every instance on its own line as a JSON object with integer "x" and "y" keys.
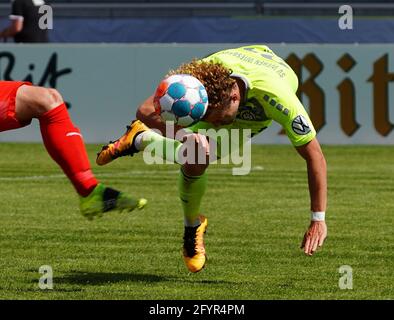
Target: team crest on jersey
{"x": 251, "y": 112}
{"x": 300, "y": 125}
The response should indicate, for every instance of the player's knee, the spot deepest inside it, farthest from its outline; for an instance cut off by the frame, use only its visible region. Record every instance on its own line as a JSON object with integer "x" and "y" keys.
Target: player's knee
{"x": 41, "y": 100}
{"x": 196, "y": 151}
{"x": 52, "y": 99}
{"x": 35, "y": 101}
{"x": 195, "y": 169}
{"x": 197, "y": 155}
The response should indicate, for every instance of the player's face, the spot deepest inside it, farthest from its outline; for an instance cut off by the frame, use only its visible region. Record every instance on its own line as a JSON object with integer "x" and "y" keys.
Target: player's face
{"x": 226, "y": 115}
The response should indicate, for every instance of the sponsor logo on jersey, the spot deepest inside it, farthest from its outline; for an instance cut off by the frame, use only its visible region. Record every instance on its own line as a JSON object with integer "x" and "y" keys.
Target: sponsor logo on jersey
{"x": 252, "y": 110}
{"x": 300, "y": 125}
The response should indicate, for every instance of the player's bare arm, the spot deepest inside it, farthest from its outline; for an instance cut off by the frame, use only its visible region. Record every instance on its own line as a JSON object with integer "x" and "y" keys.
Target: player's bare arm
{"x": 317, "y": 180}
{"x": 146, "y": 113}
{"x": 15, "y": 27}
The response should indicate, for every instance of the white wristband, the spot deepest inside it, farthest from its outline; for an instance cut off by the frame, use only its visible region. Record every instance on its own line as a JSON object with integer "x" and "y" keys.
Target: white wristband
{"x": 318, "y": 216}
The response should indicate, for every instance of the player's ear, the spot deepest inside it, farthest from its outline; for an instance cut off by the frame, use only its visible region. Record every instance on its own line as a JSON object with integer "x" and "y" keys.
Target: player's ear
{"x": 235, "y": 93}
{"x": 234, "y": 97}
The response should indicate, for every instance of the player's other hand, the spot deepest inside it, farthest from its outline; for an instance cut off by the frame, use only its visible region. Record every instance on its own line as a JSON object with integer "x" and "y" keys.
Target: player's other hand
{"x": 199, "y": 141}
{"x": 314, "y": 237}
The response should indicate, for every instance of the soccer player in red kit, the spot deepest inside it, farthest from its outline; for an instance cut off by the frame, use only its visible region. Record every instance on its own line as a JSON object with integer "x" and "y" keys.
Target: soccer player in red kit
{"x": 20, "y": 102}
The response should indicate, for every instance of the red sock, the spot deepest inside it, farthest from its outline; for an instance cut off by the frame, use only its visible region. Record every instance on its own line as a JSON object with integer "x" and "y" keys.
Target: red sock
{"x": 64, "y": 143}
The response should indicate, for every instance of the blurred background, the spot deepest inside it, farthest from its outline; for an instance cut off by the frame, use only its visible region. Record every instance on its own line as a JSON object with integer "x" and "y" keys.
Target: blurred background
{"x": 234, "y": 21}
{"x": 107, "y": 57}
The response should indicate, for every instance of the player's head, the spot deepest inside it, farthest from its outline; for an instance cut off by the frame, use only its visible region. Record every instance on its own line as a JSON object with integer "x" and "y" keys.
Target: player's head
{"x": 223, "y": 92}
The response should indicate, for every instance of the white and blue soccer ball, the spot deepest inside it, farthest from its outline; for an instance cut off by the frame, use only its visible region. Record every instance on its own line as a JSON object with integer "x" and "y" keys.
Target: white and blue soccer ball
{"x": 182, "y": 99}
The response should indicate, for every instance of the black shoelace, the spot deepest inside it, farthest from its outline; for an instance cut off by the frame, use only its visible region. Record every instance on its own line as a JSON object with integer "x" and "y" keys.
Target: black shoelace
{"x": 189, "y": 240}
{"x": 128, "y": 152}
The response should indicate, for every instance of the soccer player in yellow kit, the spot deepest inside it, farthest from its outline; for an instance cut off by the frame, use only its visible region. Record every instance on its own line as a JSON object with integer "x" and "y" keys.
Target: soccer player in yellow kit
{"x": 248, "y": 88}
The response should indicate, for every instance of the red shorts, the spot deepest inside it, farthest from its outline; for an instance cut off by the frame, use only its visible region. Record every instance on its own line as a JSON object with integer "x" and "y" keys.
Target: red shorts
{"x": 8, "y": 91}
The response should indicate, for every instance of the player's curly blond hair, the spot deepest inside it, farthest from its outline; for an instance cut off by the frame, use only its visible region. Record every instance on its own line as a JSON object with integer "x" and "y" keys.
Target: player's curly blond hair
{"x": 215, "y": 78}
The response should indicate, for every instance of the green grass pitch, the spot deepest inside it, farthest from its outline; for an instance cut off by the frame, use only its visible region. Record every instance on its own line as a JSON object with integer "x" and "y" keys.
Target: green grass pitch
{"x": 256, "y": 223}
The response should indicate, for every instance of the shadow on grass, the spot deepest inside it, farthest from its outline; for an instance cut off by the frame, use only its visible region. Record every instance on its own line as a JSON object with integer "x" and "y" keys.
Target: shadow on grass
{"x": 101, "y": 278}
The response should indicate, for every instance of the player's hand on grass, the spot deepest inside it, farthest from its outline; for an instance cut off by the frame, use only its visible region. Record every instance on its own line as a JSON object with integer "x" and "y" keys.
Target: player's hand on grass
{"x": 314, "y": 237}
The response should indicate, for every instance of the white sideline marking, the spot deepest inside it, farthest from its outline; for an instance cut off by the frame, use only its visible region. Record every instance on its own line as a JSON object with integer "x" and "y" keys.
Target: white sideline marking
{"x": 117, "y": 174}
{"x": 61, "y": 176}
{"x": 26, "y": 178}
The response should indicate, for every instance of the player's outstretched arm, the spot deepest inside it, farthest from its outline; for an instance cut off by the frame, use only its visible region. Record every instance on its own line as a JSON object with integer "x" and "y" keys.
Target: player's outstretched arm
{"x": 146, "y": 113}
{"x": 15, "y": 27}
{"x": 317, "y": 180}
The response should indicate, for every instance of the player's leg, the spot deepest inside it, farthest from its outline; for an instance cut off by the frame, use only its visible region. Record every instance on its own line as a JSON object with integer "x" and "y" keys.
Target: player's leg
{"x": 192, "y": 179}
{"x": 139, "y": 137}
{"x": 62, "y": 139}
{"x": 65, "y": 145}
{"x": 8, "y": 120}
{"x": 193, "y": 155}
{"x": 192, "y": 186}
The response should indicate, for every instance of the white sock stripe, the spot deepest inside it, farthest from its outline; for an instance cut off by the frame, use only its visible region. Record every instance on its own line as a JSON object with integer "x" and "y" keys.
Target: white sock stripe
{"x": 138, "y": 141}
{"x": 70, "y": 134}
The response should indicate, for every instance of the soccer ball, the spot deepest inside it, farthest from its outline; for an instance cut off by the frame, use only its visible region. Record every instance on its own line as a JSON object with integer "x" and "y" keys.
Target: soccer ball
{"x": 181, "y": 98}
